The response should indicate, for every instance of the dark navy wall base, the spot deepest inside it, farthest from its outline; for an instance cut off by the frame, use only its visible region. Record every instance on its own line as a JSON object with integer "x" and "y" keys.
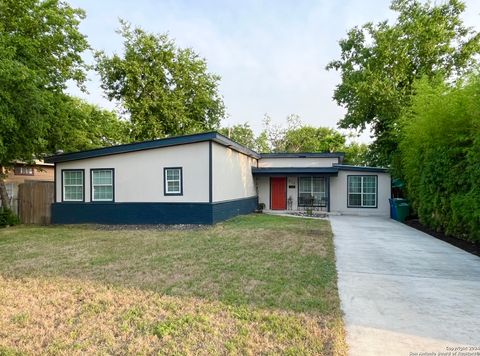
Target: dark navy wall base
{"x": 227, "y": 209}
{"x": 150, "y": 213}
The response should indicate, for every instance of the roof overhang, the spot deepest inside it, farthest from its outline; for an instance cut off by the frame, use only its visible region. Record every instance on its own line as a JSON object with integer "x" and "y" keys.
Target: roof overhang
{"x": 148, "y": 145}
{"x": 303, "y": 155}
{"x": 294, "y": 171}
{"x": 345, "y": 167}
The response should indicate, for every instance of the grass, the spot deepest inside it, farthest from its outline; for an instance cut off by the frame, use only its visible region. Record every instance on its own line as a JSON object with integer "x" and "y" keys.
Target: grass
{"x": 255, "y": 284}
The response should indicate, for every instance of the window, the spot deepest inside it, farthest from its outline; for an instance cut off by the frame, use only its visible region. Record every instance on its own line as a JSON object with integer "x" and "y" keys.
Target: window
{"x": 173, "y": 181}
{"x": 73, "y": 185}
{"x": 102, "y": 184}
{"x": 311, "y": 191}
{"x": 23, "y": 171}
{"x": 362, "y": 191}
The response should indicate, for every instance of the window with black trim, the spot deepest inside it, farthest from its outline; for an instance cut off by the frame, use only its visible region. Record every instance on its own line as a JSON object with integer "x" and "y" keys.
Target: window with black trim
{"x": 362, "y": 191}
{"x": 102, "y": 184}
{"x": 73, "y": 185}
{"x": 173, "y": 181}
{"x": 311, "y": 191}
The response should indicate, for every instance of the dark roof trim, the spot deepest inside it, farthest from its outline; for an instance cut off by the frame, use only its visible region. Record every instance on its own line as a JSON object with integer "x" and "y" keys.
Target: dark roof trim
{"x": 303, "y": 155}
{"x": 148, "y": 145}
{"x": 345, "y": 167}
{"x": 332, "y": 171}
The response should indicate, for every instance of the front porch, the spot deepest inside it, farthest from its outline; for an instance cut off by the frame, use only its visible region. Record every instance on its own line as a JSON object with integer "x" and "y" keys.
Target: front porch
{"x": 290, "y": 190}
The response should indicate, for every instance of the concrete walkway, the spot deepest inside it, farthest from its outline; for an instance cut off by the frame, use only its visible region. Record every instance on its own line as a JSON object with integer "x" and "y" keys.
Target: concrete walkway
{"x": 403, "y": 291}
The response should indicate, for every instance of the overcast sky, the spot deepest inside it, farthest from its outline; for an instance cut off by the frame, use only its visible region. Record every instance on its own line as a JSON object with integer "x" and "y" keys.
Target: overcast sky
{"x": 271, "y": 55}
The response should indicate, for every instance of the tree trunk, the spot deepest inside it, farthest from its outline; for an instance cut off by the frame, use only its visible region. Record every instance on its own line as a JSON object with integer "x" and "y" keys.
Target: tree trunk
{"x": 3, "y": 190}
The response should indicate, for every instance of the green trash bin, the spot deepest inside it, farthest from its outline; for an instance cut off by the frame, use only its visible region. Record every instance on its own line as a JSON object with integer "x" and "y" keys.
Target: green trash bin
{"x": 402, "y": 208}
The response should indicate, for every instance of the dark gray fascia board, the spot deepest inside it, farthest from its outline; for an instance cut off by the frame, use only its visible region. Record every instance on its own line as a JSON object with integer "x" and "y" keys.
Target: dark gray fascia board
{"x": 303, "y": 155}
{"x": 294, "y": 170}
{"x": 345, "y": 167}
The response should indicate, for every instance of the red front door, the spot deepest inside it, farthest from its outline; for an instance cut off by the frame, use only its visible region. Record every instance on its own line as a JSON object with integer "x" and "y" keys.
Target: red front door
{"x": 278, "y": 191}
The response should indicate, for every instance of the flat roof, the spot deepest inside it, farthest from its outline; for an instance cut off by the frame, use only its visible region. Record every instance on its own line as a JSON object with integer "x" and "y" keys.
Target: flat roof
{"x": 347, "y": 167}
{"x": 148, "y": 145}
{"x": 303, "y": 155}
{"x": 329, "y": 171}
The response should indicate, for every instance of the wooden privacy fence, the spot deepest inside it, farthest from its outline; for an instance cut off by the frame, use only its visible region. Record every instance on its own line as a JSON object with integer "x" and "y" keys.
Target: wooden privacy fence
{"x": 34, "y": 202}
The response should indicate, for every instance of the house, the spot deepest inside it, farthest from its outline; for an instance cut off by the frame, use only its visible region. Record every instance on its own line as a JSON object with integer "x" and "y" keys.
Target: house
{"x": 205, "y": 178}
{"x": 22, "y": 172}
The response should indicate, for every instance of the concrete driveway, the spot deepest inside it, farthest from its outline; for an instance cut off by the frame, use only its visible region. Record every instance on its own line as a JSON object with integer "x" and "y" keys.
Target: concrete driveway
{"x": 403, "y": 291}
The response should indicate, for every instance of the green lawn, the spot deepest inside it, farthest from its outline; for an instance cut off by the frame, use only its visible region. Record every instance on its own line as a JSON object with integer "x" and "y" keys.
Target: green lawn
{"x": 254, "y": 284}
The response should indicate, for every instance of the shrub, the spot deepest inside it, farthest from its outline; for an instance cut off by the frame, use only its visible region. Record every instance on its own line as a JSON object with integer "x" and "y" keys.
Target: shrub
{"x": 8, "y": 218}
{"x": 440, "y": 155}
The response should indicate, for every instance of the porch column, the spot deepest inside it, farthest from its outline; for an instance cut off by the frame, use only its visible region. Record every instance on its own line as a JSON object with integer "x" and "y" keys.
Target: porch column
{"x": 328, "y": 194}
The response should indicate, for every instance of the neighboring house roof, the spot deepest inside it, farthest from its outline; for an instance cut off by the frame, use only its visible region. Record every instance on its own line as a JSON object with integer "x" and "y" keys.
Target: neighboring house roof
{"x": 36, "y": 162}
{"x": 346, "y": 167}
{"x": 294, "y": 171}
{"x": 148, "y": 145}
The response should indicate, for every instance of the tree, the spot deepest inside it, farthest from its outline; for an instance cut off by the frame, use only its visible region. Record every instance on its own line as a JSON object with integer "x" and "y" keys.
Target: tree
{"x": 40, "y": 50}
{"x": 79, "y": 125}
{"x": 313, "y": 139}
{"x": 357, "y": 154}
{"x": 164, "y": 90}
{"x": 440, "y": 155}
{"x": 379, "y": 64}
{"x": 241, "y": 133}
{"x": 244, "y": 135}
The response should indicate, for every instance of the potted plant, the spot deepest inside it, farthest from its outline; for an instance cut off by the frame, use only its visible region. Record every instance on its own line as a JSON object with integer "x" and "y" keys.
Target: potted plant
{"x": 260, "y": 208}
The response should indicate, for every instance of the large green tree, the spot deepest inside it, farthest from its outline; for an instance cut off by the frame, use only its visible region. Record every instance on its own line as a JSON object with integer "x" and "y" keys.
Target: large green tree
{"x": 380, "y": 62}
{"x": 79, "y": 125}
{"x": 40, "y": 50}
{"x": 164, "y": 90}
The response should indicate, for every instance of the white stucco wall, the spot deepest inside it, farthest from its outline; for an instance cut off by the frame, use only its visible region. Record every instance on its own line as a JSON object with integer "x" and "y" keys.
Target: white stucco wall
{"x": 232, "y": 174}
{"x": 263, "y": 189}
{"x": 292, "y": 192}
{"x": 139, "y": 175}
{"x": 338, "y": 194}
{"x": 297, "y": 162}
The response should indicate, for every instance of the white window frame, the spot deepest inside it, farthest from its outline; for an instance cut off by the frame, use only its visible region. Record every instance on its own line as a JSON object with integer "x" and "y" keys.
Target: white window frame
{"x": 179, "y": 180}
{"x": 362, "y": 192}
{"x": 92, "y": 172}
{"x": 73, "y": 185}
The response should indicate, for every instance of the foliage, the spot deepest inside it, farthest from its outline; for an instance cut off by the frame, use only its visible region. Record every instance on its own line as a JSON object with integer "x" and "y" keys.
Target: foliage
{"x": 241, "y": 133}
{"x": 298, "y": 137}
{"x": 85, "y": 126}
{"x": 440, "y": 154}
{"x": 40, "y": 50}
{"x": 164, "y": 90}
{"x": 357, "y": 154}
{"x": 8, "y": 218}
{"x": 313, "y": 139}
{"x": 379, "y": 64}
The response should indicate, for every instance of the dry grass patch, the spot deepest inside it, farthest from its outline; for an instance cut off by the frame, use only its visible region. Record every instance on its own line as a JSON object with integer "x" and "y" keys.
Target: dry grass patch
{"x": 255, "y": 284}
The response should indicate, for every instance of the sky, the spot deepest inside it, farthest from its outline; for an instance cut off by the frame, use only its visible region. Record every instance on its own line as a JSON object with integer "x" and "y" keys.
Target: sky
{"x": 271, "y": 55}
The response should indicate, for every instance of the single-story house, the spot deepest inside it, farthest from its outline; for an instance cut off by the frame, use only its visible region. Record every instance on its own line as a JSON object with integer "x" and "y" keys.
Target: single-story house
{"x": 205, "y": 178}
